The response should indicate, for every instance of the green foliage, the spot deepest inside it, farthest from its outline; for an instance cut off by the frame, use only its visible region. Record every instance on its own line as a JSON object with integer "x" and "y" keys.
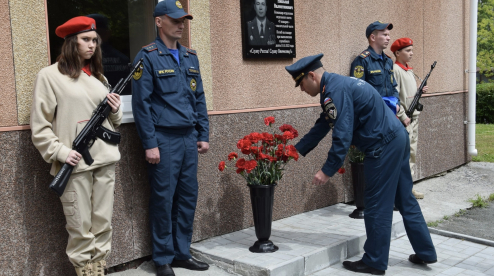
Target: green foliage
{"x": 460, "y": 213}
{"x": 355, "y": 156}
{"x": 485, "y": 37}
{"x": 485, "y": 103}
{"x": 446, "y": 217}
{"x": 491, "y": 197}
{"x": 434, "y": 223}
{"x": 484, "y": 135}
{"x": 478, "y": 202}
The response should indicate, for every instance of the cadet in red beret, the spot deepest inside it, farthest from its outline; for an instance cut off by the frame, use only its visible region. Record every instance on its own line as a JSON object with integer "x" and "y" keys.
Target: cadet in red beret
{"x": 65, "y": 95}
{"x": 407, "y": 87}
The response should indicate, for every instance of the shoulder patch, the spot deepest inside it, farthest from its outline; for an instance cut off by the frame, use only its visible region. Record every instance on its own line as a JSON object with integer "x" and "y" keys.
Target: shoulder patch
{"x": 330, "y": 108}
{"x": 191, "y": 51}
{"x": 150, "y": 47}
{"x": 364, "y": 54}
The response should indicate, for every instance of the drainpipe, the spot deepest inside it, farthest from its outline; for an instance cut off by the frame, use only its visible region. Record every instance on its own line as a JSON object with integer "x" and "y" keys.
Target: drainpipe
{"x": 472, "y": 79}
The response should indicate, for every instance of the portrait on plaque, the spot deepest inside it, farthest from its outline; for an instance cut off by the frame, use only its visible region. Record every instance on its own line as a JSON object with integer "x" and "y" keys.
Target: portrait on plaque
{"x": 268, "y": 28}
{"x": 260, "y": 30}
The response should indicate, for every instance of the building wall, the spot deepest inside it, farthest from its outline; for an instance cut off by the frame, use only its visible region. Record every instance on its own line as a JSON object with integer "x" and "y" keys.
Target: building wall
{"x": 240, "y": 94}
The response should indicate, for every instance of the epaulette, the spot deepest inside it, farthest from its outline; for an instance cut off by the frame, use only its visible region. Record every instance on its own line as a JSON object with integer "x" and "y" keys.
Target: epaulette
{"x": 150, "y": 47}
{"x": 387, "y": 55}
{"x": 191, "y": 51}
{"x": 364, "y": 54}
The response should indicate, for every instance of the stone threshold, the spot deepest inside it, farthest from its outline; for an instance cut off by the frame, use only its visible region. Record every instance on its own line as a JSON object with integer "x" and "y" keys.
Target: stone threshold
{"x": 307, "y": 243}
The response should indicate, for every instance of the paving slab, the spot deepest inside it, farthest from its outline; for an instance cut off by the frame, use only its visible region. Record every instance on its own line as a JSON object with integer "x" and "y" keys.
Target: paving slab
{"x": 307, "y": 243}
{"x": 478, "y": 262}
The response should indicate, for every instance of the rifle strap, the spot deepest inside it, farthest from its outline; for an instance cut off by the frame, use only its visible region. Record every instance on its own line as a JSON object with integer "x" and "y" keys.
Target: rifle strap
{"x": 107, "y": 135}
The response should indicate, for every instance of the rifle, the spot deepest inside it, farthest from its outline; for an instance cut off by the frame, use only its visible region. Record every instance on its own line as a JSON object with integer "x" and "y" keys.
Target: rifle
{"x": 415, "y": 103}
{"x": 92, "y": 130}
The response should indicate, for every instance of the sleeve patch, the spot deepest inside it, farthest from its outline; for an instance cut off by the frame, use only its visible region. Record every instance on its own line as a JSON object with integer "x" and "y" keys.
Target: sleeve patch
{"x": 138, "y": 73}
{"x": 330, "y": 108}
{"x": 358, "y": 72}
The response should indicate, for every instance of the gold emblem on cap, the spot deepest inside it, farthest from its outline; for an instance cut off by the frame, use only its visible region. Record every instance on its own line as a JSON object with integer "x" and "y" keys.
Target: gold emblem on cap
{"x": 299, "y": 76}
{"x": 179, "y": 5}
{"x": 380, "y": 21}
{"x": 138, "y": 73}
{"x": 193, "y": 85}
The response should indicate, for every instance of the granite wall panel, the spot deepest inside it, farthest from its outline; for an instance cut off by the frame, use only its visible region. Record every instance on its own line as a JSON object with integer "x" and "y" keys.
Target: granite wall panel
{"x": 442, "y": 142}
{"x": 30, "y": 50}
{"x": 8, "y": 105}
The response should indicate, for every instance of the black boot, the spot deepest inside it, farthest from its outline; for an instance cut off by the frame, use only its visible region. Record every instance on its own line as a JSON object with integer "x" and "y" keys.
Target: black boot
{"x": 360, "y": 267}
{"x": 191, "y": 264}
{"x": 416, "y": 260}
{"x": 164, "y": 270}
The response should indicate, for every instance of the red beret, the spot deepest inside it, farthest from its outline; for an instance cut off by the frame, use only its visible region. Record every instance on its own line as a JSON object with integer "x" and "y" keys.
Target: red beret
{"x": 75, "y": 26}
{"x": 401, "y": 43}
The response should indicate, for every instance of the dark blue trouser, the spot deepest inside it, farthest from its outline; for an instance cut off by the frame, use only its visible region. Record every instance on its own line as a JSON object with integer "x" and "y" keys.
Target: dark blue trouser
{"x": 389, "y": 181}
{"x": 173, "y": 198}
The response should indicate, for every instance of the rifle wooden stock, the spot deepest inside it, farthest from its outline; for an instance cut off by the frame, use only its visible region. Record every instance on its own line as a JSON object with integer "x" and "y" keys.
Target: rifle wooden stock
{"x": 86, "y": 137}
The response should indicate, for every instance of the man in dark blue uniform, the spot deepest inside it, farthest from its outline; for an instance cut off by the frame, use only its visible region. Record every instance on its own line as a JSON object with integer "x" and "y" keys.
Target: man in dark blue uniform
{"x": 375, "y": 67}
{"x": 358, "y": 116}
{"x": 171, "y": 117}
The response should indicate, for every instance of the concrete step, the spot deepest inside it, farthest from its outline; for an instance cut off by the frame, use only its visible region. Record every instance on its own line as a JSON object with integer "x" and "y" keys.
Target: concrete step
{"x": 307, "y": 243}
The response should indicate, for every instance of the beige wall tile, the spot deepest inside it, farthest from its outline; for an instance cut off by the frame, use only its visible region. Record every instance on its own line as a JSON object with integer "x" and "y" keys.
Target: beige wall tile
{"x": 8, "y": 105}
{"x": 201, "y": 42}
{"x": 30, "y": 50}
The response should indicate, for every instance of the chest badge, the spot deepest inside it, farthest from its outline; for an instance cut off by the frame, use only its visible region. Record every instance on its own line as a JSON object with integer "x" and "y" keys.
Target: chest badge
{"x": 358, "y": 72}
{"x": 138, "y": 73}
{"x": 193, "y": 85}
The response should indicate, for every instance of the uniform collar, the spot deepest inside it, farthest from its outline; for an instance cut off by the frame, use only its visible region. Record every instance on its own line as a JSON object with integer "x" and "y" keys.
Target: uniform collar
{"x": 87, "y": 69}
{"x": 404, "y": 67}
{"x": 322, "y": 88}
{"x": 375, "y": 55}
{"x": 163, "y": 50}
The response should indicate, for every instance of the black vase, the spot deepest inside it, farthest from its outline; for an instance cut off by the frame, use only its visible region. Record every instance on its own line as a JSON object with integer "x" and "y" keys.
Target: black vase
{"x": 358, "y": 180}
{"x": 261, "y": 199}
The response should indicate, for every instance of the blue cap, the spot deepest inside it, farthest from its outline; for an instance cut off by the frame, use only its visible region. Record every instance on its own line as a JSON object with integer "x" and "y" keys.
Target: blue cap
{"x": 171, "y": 8}
{"x": 303, "y": 66}
{"x": 378, "y": 25}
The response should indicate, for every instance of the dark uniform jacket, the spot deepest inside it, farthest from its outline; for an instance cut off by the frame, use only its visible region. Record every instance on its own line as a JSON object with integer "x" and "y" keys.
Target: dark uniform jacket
{"x": 253, "y": 32}
{"x": 168, "y": 96}
{"x": 358, "y": 116}
{"x": 378, "y": 72}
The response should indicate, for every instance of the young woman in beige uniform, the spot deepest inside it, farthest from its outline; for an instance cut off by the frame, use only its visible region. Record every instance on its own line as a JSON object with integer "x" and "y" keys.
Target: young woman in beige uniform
{"x": 65, "y": 95}
{"x": 407, "y": 88}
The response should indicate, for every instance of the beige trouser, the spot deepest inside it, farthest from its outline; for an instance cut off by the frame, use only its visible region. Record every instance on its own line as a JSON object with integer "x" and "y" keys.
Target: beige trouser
{"x": 413, "y": 134}
{"x": 88, "y": 206}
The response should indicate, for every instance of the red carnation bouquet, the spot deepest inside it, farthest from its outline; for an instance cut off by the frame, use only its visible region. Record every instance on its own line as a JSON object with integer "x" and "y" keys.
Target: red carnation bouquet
{"x": 267, "y": 155}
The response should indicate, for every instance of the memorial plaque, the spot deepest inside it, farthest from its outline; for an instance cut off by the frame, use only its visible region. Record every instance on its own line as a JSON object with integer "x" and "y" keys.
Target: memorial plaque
{"x": 268, "y": 28}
